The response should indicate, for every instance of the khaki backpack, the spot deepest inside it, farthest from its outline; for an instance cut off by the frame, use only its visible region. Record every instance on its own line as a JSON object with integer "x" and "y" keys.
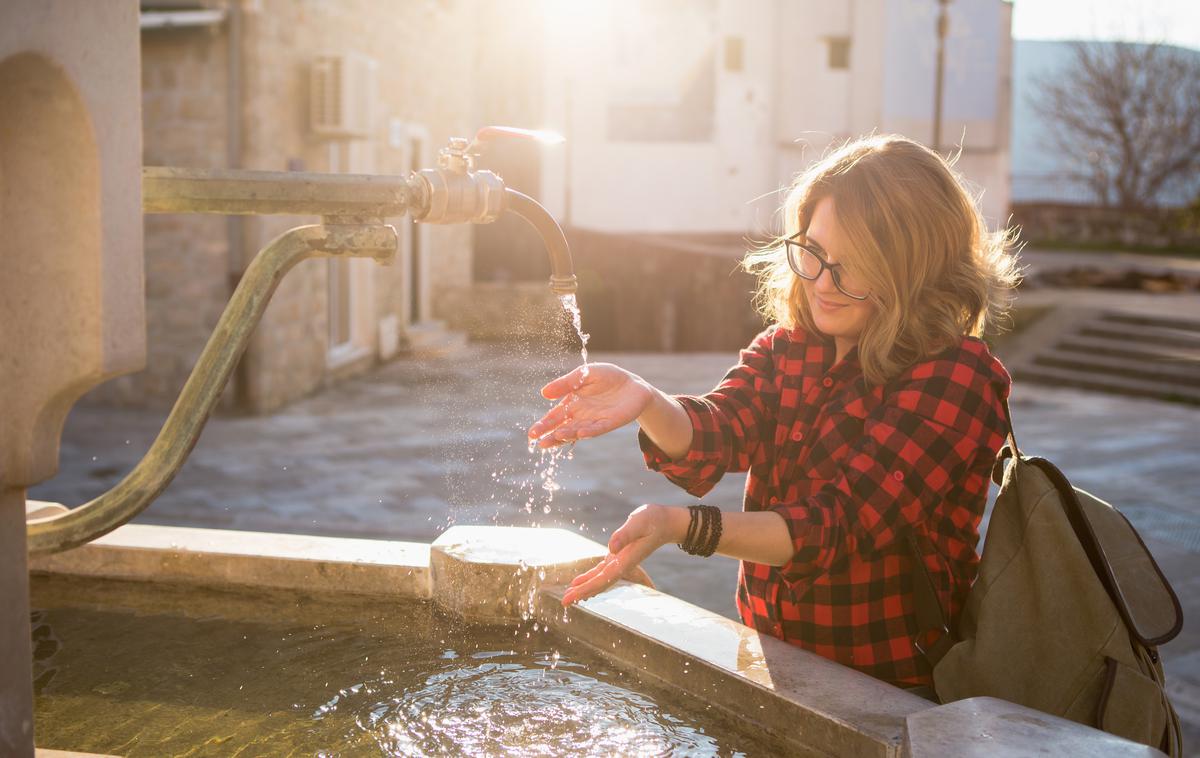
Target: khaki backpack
{"x": 1066, "y": 614}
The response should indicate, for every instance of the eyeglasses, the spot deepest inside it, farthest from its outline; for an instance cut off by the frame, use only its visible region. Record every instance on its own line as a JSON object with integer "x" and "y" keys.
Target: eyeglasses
{"x": 808, "y": 264}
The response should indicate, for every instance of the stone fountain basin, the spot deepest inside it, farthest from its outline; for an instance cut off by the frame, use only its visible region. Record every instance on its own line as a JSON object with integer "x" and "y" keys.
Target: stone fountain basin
{"x": 506, "y": 574}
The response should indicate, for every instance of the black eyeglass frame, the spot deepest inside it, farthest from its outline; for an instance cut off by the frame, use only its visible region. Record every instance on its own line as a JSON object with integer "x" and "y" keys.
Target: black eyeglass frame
{"x": 792, "y": 244}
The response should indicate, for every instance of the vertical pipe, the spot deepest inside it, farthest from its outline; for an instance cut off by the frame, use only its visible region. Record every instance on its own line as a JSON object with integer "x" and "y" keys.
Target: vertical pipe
{"x": 235, "y": 228}
{"x": 16, "y": 653}
{"x": 939, "y": 75}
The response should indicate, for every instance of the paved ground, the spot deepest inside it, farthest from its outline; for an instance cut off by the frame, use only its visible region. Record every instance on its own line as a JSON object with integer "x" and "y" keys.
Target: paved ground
{"x": 419, "y": 445}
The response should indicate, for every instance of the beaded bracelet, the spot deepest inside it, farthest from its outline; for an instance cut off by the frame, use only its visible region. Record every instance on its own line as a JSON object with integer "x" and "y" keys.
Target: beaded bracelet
{"x": 704, "y": 530}
{"x": 714, "y": 534}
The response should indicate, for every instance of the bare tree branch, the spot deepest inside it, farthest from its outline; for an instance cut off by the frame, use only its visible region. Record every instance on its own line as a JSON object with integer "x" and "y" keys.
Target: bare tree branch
{"x": 1128, "y": 116}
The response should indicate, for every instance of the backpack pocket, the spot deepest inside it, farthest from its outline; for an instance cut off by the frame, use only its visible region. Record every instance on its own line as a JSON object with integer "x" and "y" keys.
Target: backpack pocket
{"x": 1132, "y": 705}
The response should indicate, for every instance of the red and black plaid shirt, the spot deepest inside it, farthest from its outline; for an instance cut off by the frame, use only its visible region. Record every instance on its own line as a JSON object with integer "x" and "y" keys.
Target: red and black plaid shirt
{"x": 852, "y": 469}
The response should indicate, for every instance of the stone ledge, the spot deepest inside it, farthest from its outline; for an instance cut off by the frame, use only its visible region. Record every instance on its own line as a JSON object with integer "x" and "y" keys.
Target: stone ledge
{"x": 802, "y": 698}
{"x": 226, "y": 557}
{"x": 982, "y": 727}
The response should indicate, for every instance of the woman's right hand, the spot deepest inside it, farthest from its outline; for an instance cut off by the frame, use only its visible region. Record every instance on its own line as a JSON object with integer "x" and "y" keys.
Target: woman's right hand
{"x": 593, "y": 399}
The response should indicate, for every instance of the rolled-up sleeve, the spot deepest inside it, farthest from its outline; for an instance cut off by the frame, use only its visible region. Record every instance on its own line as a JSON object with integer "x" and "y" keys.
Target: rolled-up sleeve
{"x": 939, "y": 431}
{"x": 730, "y": 425}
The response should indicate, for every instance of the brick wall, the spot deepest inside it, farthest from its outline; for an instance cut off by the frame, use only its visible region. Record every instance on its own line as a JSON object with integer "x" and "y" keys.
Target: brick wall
{"x": 426, "y": 56}
{"x": 186, "y": 256}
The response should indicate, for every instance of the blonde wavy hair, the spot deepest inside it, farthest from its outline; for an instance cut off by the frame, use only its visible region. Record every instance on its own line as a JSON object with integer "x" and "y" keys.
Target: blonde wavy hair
{"x": 915, "y": 238}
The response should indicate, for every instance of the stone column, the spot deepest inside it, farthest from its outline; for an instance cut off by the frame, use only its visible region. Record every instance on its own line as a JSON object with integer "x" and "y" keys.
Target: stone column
{"x": 71, "y": 290}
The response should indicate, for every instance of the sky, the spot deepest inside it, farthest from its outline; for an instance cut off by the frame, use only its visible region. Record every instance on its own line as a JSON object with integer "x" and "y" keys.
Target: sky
{"x": 1173, "y": 21}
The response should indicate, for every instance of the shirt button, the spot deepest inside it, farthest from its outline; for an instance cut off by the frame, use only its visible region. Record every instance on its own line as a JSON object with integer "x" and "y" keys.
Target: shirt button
{"x": 797, "y": 435}
{"x": 898, "y": 475}
{"x": 827, "y": 381}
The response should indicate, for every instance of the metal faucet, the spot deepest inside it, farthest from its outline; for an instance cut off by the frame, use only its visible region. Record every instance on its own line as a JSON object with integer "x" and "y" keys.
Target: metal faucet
{"x": 455, "y": 192}
{"x": 353, "y": 209}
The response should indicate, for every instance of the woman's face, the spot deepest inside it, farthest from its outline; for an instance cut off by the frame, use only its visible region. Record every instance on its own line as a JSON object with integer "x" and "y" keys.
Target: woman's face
{"x": 835, "y": 314}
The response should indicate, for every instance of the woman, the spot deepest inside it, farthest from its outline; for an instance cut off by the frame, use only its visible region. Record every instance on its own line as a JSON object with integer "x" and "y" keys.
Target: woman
{"x": 868, "y": 415}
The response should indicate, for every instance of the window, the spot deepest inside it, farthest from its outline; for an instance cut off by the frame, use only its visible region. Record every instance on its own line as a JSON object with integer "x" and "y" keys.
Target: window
{"x": 839, "y": 52}
{"x": 734, "y": 53}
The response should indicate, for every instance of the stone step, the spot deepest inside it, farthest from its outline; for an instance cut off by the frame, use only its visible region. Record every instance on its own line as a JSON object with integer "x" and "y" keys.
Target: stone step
{"x": 1142, "y": 319}
{"x": 1121, "y": 385}
{"x": 1153, "y": 335}
{"x": 1078, "y": 343}
{"x": 1169, "y": 372}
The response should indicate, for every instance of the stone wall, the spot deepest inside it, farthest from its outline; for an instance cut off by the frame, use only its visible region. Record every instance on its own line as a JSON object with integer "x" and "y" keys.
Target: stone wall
{"x": 1093, "y": 225}
{"x": 636, "y": 292}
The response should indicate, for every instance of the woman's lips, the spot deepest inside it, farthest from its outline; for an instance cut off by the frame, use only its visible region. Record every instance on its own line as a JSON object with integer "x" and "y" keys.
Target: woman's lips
{"x": 827, "y": 305}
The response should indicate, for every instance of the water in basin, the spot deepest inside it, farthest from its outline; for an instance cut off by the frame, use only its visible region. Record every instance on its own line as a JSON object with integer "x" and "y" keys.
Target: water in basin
{"x": 154, "y": 669}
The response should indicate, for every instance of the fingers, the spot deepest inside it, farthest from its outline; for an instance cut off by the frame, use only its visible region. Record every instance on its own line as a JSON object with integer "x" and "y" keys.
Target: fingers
{"x": 601, "y": 578}
{"x": 572, "y": 431}
{"x": 606, "y": 574}
{"x": 553, "y": 418}
{"x": 593, "y": 572}
{"x": 562, "y": 385}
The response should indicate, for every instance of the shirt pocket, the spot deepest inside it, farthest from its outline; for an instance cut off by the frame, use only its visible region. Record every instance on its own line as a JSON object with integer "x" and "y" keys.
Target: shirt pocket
{"x": 831, "y": 440}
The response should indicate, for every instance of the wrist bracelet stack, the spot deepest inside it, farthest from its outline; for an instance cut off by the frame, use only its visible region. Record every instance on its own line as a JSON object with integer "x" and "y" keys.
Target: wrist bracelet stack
{"x": 704, "y": 530}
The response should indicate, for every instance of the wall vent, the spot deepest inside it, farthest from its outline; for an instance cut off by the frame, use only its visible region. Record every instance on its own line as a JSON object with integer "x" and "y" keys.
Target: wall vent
{"x": 342, "y": 96}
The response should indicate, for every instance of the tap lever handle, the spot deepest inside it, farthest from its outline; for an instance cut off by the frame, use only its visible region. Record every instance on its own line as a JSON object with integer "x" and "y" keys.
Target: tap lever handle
{"x": 489, "y": 133}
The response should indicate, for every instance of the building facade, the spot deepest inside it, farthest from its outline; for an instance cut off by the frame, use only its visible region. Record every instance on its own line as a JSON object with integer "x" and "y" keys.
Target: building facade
{"x": 688, "y": 115}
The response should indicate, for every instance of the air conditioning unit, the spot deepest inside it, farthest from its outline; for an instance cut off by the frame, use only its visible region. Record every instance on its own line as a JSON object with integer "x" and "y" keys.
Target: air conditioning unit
{"x": 342, "y": 96}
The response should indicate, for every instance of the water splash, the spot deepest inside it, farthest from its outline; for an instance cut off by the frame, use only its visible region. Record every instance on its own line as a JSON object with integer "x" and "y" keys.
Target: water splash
{"x": 571, "y": 306}
{"x": 549, "y": 459}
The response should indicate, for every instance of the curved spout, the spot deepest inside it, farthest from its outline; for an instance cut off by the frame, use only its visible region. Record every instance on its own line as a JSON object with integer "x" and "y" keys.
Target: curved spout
{"x": 562, "y": 276}
{"x": 203, "y": 388}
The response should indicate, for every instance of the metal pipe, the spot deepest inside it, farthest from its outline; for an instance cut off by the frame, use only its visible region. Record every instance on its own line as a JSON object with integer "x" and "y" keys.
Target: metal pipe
{"x": 235, "y": 228}
{"x": 189, "y": 190}
{"x": 562, "y": 276}
{"x": 208, "y": 378}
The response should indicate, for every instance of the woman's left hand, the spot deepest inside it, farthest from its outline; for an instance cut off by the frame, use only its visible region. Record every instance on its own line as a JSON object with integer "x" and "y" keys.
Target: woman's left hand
{"x": 647, "y": 529}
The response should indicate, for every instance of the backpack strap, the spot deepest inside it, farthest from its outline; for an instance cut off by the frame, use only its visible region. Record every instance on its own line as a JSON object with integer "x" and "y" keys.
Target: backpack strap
{"x": 1009, "y": 449}
{"x": 931, "y": 617}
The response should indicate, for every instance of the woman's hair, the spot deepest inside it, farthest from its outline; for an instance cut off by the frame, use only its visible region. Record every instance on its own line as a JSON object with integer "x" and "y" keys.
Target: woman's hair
{"x": 915, "y": 238}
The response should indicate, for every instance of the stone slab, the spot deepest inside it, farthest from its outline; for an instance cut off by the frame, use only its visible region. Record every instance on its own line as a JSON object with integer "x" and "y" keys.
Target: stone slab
{"x": 819, "y": 706}
{"x": 217, "y": 556}
{"x": 493, "y": 573}
{"x": 985, "y": 727}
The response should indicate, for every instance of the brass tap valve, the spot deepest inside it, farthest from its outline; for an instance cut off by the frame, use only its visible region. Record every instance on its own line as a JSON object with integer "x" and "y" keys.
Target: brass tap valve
{"x": 454, "y": 193}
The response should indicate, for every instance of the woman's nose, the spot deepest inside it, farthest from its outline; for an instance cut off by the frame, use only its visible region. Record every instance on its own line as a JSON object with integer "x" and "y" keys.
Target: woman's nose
{"x": 824, "y": 282}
